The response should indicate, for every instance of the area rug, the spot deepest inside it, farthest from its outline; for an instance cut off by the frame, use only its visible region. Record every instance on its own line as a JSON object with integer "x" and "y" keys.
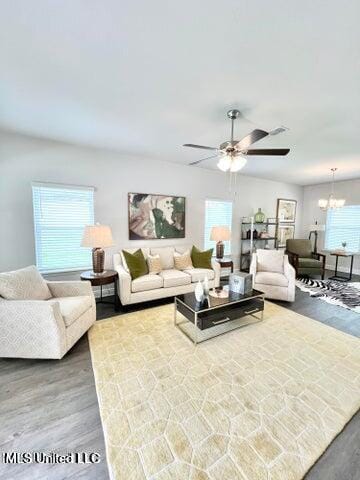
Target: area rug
{"x": 261, "y": 402}
{"x": 344, "y": 294}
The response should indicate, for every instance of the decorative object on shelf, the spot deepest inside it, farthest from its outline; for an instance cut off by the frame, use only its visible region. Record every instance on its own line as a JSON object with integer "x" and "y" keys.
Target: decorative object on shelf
{"x": 156, "y": 216}
{"x": 240, "y": 282}
{"x": 264, "y": 235}
{"x": 259, "y": 216}
{"x": 199, "y": 292}
{"x": 314, "y": 229}
{"x": 206, "y": 285}
{"x": 248, "y": 234}
{"x": 284, "y": 232}
{"x": 97, "y": 237}
{"x": 219, "y": 235}
{"x": 331, "y": 201}
{"x": 255, "y": 234}
{"x": 286, "y": 210}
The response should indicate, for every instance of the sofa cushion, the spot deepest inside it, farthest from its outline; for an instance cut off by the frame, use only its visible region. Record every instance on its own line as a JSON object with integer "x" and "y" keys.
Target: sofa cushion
{"x": 270, "y": 261}
{"x": 146, "y": 282}
{"x": 201, "y": 259}
{"x": 183, "y": 260}
{"x": 24, "y": 284}
{"x": 72, "y": 308}
{"x": 197, "y": 274}
{"x": 166, "y": 256}
{"x": 175, "y": 278}
{"x": 310, "y": 263}
{"x": 154, "y": 264}
{"x": 271, "y": 278}
{"x": 136, "y": 263}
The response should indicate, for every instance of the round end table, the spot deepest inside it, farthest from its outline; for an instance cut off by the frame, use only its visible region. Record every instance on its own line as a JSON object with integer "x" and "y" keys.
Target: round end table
{"x": 100, "y": 279}
{"x": 226, "y": 262}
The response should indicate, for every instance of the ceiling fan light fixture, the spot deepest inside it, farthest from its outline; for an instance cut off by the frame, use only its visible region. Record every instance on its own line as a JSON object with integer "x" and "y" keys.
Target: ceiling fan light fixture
{"x": 224, "y": 163}
{"x": 237, "y": 164}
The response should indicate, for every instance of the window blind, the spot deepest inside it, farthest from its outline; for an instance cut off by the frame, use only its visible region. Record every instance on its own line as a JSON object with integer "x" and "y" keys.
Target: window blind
{"x": 60, "y": 214}
{"x": 343, "y": 225}
{"x": 217, "y": 213}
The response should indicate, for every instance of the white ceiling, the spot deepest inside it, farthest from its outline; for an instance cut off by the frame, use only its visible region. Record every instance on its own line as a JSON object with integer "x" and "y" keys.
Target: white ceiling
{"x": 144, "y": 77}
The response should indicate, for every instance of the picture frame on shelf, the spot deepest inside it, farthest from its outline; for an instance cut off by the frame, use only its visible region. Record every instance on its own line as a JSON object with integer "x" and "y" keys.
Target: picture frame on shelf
{"x": 284, "y": 232}
{"x": 286, "y": 210}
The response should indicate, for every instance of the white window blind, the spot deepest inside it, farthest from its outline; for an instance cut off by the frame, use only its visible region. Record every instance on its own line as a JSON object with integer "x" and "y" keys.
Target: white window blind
{"x": 217, "y": 213}
{"x": 60, "y": 214}
{"x": 343, "y": 225}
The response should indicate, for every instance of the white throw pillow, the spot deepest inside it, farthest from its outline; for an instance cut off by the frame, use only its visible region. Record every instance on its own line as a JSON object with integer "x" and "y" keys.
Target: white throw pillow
{"x": 24, "y": 284}
{"x": 154, "y": 264}
{"x": 183, "y": 261}
{"x": 270, "y": 261}
{"x": 166, "y": 256}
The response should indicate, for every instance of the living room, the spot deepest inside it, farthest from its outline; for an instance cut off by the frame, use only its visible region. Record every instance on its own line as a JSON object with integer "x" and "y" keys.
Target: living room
{"x": 172, "y": 309}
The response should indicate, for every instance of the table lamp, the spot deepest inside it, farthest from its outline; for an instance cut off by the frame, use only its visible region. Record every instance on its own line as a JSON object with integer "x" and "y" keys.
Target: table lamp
{"x": 97, "y": 237}
{"x": 220, "y": 234}
{"x": 314, "y": 229}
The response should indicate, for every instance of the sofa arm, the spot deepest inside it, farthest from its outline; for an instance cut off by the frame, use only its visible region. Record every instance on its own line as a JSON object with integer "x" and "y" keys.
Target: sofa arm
{"x": 124, "y": 285}
{"x": 31, "y": 329}
{"x": 70, "y": 289}
{"x": 217, "y": 270}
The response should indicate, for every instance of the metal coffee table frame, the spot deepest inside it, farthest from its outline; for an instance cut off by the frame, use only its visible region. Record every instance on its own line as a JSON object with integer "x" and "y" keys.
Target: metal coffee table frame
{"x": 195, "y": 340}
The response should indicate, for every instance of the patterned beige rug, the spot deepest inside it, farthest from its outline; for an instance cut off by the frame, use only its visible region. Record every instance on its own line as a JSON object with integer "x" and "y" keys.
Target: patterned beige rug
{"x": 261, "y": 402}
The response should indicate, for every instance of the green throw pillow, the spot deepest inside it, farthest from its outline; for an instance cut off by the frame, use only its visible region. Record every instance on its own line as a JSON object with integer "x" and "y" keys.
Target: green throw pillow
{"x": 201, "y": 259}
{"x": 136, "y": 263}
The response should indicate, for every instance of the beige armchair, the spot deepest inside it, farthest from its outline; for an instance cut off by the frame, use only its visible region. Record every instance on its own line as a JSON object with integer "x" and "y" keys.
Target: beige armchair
{"x": 46, "y": 328}
{"x": 273, "y": 275}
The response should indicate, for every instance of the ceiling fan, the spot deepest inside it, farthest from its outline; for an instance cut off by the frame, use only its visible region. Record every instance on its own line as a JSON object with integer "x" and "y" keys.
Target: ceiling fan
{"x": 232, "y": 153}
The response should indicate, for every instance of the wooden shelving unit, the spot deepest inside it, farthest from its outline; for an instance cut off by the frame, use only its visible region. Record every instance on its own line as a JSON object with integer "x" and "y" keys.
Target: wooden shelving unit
{"x": 249, "y": 245}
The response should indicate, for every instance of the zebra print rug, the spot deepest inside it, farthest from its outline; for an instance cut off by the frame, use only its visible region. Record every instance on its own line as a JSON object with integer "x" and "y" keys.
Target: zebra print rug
{"x": 346, "y": 295}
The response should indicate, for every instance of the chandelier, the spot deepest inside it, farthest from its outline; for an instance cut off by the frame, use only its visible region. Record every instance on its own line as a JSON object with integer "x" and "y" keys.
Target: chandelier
{"x": 331, "y": 202}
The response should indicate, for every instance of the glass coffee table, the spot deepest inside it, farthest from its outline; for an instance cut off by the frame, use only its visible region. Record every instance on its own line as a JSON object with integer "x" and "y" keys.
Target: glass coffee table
{"x": 217, "y": 315}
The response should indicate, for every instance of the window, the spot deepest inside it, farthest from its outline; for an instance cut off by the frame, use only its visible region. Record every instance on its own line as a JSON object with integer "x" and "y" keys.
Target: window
{"x": 217, "y": 213}
{"x": 60, "y": 214}
{"x": 343, "y": 225}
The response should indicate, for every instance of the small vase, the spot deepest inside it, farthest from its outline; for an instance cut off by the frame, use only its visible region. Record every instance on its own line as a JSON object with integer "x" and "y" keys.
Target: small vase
{"x": 199, "y": 291}
{"x": 206, "y": 286}
{"x": 259, "y": 216}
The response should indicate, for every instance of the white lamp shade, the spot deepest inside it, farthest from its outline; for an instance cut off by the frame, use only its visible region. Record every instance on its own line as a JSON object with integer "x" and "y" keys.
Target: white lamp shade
{"x": 97, "y": 236}
{"x": 317, "y": 228}
{"x": 220, "y": 233}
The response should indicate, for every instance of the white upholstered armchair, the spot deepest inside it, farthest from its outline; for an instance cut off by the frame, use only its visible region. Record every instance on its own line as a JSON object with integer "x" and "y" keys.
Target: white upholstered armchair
{"x": 46, "y": 327}
{"x": 273, "y": 274}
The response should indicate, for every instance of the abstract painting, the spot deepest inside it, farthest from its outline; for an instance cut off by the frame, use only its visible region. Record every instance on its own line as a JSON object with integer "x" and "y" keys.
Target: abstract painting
{"x": 156, "y": 216}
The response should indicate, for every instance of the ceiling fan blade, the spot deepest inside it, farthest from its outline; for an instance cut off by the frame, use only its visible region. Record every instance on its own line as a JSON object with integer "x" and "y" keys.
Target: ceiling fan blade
{"x": 199, "y": 146}
{"x": 253, "y": 137}
{"x": 268, "y": 151}
{"x": 202, "y": 159}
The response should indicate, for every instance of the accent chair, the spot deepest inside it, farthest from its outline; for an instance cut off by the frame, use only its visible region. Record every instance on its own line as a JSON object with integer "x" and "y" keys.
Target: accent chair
{"x": 303, "y": 259}
{"x": 273, "y": 274}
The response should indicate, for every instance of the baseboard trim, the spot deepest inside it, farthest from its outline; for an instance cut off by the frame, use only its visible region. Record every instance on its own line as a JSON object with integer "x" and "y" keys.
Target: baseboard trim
{"x": 341, "y": 269}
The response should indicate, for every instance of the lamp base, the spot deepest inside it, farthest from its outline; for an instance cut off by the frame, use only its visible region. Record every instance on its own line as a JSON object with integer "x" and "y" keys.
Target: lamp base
{"x": 219, "y": 250}
{"x": 98, "y": 258}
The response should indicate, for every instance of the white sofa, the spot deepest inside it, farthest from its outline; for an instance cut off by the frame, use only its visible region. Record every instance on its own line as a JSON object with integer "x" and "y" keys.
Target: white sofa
{"x": 273, "y": 274}
{"x": 167, "y": 283}
{"x": 46, "y": 328}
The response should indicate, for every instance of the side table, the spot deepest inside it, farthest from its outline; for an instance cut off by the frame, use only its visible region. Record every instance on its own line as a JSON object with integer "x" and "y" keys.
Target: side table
{"x": 226, "y": 262}
{"x": 100, "y": 279}
{"x": 342, "y": 278}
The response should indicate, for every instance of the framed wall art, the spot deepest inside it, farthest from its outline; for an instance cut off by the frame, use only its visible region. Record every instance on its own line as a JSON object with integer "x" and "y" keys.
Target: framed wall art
{"x": 284, "y": 232}
{"x": 286, "y": 210}
{"x": 156, "y": 216}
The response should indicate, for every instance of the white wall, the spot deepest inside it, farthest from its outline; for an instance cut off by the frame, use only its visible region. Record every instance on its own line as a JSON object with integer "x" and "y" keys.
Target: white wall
{"x": 25, "y": 159}
{"x": 350, "y": 190}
